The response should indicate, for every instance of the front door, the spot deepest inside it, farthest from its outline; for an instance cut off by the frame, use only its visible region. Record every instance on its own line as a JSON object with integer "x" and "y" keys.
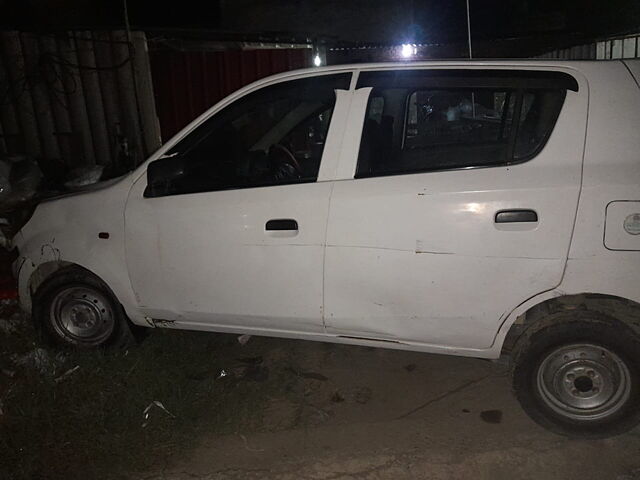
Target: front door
{"x": 229, "y": 230}
{"x": 462, "y": 205}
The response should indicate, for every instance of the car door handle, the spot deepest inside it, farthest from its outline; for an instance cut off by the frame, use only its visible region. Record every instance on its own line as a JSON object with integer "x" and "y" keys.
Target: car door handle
{"x": 514, "y": 216}
{"x": 278, "y": 224}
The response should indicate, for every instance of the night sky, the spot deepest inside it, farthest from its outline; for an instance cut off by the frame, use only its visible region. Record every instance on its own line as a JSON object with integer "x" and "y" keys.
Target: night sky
{"x": 337, "y": 21}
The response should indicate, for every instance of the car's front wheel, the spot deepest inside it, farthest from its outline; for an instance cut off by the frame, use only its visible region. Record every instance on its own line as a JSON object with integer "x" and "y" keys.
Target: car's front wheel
{"x": 76, "y": 309}
{"x": 580, "y": 375}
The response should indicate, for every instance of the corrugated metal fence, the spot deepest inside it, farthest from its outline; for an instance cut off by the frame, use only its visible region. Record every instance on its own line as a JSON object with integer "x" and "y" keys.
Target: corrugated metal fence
{"x": 186, "y": 83}
{"x": 77, "y": 98}
{"x": 612, "y": 48}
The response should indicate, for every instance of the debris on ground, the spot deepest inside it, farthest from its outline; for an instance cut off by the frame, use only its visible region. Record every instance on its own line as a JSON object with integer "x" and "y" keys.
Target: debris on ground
{"x": 246, "y": 445}
{"x": 7, "y": 326}
{"x": 634, "y": 475}
{"x": 307, "y": 375}
{"x": 251, "y": 360}
{"x": 252, "y": 368}
{"x": 314, "y": 415}
{"x": 491, "y": 416}
{"x": 359, "y": 395}
{"x": 39, "y": 359}
{"x": 362, "y": 395}
{"x": 255, "y": 373}
{"x": 337, "y": 397}
{"x": 67, "y": 374}
{"x": 11, "y": 324}
{"x": 243, "y": 339}
{"x": 156, "y": 403}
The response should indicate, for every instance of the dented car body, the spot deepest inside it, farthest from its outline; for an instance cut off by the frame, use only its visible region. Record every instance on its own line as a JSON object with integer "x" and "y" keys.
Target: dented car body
{"x": 424, "y": 206}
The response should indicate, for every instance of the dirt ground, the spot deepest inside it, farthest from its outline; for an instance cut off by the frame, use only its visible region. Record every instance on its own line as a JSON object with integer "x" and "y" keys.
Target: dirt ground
{"x": 273, "y": 409}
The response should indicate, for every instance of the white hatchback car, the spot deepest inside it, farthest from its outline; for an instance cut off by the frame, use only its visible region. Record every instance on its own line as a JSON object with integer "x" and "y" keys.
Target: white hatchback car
{"x": 465, "y": 208}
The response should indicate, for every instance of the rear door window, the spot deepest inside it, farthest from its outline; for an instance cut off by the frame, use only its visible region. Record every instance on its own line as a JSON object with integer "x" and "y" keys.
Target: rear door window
{"x": 419, "y": 121}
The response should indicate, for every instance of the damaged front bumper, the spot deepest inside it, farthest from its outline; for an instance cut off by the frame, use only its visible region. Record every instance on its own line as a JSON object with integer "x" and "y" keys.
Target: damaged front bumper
{"x": 23, "y": 268}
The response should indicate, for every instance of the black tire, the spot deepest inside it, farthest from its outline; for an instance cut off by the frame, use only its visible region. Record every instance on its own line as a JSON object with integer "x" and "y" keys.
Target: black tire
{"x": 112, "y": 326}
{"x": 579, "y": 343}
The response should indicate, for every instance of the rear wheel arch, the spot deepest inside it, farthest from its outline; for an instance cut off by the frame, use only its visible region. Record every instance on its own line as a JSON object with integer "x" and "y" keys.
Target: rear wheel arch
{"x": 579, "y": 375}
{"x": 589, "y": 338}
{"x": 615, "y": 308}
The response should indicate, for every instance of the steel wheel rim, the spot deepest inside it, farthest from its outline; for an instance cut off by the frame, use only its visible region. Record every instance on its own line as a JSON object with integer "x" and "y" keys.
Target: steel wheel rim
{"x": 584, "y": 382}
{"x": 82, "y": 314}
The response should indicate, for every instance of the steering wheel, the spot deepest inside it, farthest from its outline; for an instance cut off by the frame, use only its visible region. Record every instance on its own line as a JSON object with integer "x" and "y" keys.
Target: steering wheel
{"x": 287, "y": 153}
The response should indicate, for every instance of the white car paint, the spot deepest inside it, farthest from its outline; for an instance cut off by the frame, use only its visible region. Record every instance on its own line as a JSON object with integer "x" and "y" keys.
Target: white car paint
{"x": 245, "y": 275}
{"x": 409, "y": 262}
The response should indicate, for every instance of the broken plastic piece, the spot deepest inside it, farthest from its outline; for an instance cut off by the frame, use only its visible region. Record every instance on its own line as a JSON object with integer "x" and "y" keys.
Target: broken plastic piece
{"x": 307, "y": 375}
{"x": 67, "y": 374}
{"x": 83, "y": 176}
{"x": 5, "y": 185}
{"x": 38, "y": 359}
{"x": 20, "y": 178}
{"x": 246, "y": 445}
{"x": 145, "y": 413}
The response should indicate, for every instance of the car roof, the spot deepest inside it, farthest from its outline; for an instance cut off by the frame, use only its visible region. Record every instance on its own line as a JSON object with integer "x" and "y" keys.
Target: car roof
{"x": 457, "y": 63}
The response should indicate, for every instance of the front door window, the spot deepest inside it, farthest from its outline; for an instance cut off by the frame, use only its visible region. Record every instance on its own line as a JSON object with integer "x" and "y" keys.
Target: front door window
{"x": 272, "y": 136}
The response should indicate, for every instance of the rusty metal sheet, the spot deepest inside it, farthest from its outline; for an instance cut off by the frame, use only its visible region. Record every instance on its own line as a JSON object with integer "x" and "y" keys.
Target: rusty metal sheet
{"x": 186, "y": 83}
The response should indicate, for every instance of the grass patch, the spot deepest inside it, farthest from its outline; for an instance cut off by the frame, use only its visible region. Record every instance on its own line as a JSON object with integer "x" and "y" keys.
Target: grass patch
{"x": 89, "y": 423}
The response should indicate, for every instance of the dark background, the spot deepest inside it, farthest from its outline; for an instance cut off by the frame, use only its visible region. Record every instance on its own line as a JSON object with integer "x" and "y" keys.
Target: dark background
{"x": 531, "y": 26}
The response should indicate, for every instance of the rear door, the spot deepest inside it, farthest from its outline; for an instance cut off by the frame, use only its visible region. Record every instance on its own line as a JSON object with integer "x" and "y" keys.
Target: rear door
{"x": 460, "y": 206}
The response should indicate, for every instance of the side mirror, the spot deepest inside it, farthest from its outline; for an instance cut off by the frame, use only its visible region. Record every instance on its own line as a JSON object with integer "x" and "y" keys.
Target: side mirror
{"x": 161, "y": 175}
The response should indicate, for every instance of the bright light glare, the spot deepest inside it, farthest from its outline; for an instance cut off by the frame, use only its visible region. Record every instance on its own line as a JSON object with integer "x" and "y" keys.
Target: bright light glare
{"x": 474, "y": 208}
{"x": 317, "y": 61}
{"x": 408, "y": 50}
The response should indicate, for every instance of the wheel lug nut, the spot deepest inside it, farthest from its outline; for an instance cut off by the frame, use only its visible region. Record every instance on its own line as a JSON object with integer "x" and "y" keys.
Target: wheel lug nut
{"x": 595, "y": 390}
{"x": 574, "y": 391}
{"x": 571, "y": 376}
{"x": 591, "y": 373}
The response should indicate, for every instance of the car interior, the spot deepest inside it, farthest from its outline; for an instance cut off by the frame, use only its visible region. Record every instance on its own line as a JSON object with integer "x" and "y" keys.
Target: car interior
{"x": 272, "y": 136}
{"x": 409, "y": 130}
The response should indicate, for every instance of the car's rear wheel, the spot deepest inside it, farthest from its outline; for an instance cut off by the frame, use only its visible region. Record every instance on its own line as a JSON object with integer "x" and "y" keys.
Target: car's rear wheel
{"x": 76, "y": 309}
{"x": 580, "y": 375}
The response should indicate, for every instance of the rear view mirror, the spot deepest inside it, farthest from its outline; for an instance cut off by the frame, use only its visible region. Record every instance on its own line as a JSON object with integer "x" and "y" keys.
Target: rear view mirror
{"x": 161, "y": 175}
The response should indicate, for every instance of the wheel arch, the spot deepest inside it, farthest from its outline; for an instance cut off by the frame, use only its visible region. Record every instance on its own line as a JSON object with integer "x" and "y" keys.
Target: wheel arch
{"x": 532, "y": 313}
{"x": 32, "y": 276}
{"x": 47, "y": 270}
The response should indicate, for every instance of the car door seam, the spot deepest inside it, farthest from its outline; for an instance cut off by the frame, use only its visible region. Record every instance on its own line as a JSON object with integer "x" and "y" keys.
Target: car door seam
{"x": 324, "y": 257}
